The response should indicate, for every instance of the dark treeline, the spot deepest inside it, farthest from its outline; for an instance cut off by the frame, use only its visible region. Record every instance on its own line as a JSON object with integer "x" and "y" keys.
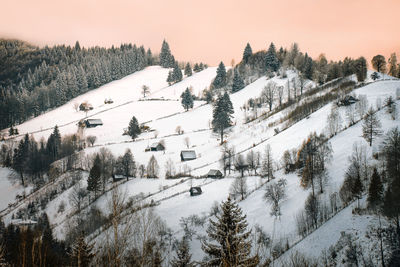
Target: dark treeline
{"x": 33, "y": 79}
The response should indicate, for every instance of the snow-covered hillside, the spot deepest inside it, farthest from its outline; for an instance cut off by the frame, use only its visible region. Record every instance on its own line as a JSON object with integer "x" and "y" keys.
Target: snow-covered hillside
{"x": 166, "y": 115}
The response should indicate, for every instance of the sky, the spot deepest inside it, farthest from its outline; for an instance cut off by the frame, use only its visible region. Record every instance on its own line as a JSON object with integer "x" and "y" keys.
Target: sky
{"x": 210, "y": 31}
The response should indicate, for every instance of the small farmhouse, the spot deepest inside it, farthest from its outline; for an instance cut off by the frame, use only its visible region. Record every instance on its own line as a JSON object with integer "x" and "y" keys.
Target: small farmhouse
{"x": 157, "y": 147}
{"x": 188, "y": 155}
{"x": 195, "y": 191}
{"x": 214, "y": 174}
{"x": 347, "y": 100}
{"x": 90, "y": 123}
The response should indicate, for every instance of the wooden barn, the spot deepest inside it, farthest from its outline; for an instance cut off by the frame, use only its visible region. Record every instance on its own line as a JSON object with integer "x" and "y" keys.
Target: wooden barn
{"x": 157, "y": 147}
{"x": 195, "y": 191}
{"x": 91, "y": 123}
{"x": 214, "y": 174}
{"x": 188, "y": 155}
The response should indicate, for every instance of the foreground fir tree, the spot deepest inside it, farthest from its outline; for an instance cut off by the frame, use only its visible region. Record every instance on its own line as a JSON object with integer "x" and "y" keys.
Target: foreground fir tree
{"x": 183, "y": 256}
{"x": 371, "y": 127}
{"x": 93, "y": 183}
{"x": 187, "y": 99}
{"x": 222, "y": 114}
{"x": 81, "y": 253}
{"x": 229, "y": 243}
{"x": 133, "y": 128}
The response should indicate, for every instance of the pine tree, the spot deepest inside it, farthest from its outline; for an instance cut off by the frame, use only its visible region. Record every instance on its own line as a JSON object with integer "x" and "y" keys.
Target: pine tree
{"x": 176, "y": 73}
{"x": 183, "y": 256}
{"x": 187, "y": 99}
{"x": 196, "y": 67}
{"x": 247, "y": 53}
{"x": 375, "y": 191}
{"x": 229, "y": 243}
{"x": 238, "y": 83}
{"x": 133, "y": 128}
{"x": 221, "y": 79}
{"x": 170, "y": 78}
{"x": 222, "y": 114}
{"x": 371, "y": 127}
{"x": 93, "y": 183}
{"x": 166, "y": 58}
{"x": 81, "y": 252}
{"x": 128, "y": 164}
{"x": 188, "y": 70}
{"x": 271, "y": 60}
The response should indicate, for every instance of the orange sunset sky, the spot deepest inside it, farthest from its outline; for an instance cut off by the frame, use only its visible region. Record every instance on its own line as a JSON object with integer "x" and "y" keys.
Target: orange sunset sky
{"x": 210, "y": 30}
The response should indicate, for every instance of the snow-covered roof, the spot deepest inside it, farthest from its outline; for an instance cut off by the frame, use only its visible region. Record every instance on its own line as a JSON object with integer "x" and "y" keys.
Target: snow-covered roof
{"x": 155, "y": 145}
{"x": 94, "y": 121}
{"x": 188, "y": 154}
{"x": 23, "y": 222}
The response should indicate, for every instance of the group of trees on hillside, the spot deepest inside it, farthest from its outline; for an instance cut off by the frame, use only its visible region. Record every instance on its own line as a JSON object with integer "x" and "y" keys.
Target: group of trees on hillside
{"x": 33, "y": 79}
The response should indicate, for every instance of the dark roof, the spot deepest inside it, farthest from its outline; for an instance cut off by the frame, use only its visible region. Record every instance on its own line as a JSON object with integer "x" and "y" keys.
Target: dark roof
{"x": 155, "y": 145}
{"x": 188, "y": 154}
{"x": 214, "y": 172}
{"x": 195, "y": 189}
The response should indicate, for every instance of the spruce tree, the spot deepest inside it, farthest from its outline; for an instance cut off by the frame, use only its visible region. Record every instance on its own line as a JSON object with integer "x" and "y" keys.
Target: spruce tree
{"x": 371, "y": 127}
{"x": 221, "y": 79}
{"x": 170, "y": 79}
{"x": 360, "y": 66}
{"x": 187, "y": 99}
{"x": 93, "y": 183}
{"x": 166, "y": 58}
{"x": 133, "y": 128}
{"x": 271, "y": 60}
{"x": 247, "y": 53}
{"x": 183, "y": 256}
{"x": 357, "y": 189}
{"x": 196, "y": 67}
{"x": 238, "y": 83}
{"x": 81, "y": 252}
{"x": 375, "y": 191}
{"x": 222, "y": 114}
{"x": 229, "y": 243}
{"x": 176, "y": 73}
{"x": 188, "y": 70}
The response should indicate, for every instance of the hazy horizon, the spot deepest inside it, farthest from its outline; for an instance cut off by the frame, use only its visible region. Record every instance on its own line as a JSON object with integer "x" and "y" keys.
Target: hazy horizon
{"x": 210, "y": 31}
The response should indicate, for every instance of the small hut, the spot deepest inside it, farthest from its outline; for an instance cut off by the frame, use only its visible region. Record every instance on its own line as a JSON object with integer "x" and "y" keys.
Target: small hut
{"x": 195, "y": 191}
{"x": 214, "y": 174}
{"x": 188, "y": 155}
{"x": 91, "y": 123}
{"x": 157, "y": 147}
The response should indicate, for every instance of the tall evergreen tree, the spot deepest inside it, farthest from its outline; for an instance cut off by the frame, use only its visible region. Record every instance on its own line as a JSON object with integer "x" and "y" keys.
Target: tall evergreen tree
{"x": 247, "y": 53}
{"x": 222, "y": 114}
{"x": 238, "y": 83}
{"x": 133, "y": 128}
{"x": 221, "y": 79}
{"x": 371, "y": 127}
{"x": 188, "y": 70}
{"x": 93, "y": 183}
{"x": 176, "y": 73}
{"x": 271, "y": 60}
{"x": 375, "y": 191}
{"x": 166, "y": 58}
{"x": 229, "y": 243}
{"x": 183, "y": 256}
{"x": 187, "y": 99}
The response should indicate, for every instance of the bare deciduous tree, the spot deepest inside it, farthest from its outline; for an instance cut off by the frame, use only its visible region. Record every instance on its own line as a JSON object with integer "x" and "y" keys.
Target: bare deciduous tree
{"x": 268, "y": 93}
{"x": 77, "y": 196}
{"x": 253, "y": 160}
{"x": 186, "y": 141}
{"x": 91, "y": 139}
{"x": 267, "y": 165}
{"x": 274, "y": 194}
{"x": 239, "y": 188}
{"x": 169, "y": 168}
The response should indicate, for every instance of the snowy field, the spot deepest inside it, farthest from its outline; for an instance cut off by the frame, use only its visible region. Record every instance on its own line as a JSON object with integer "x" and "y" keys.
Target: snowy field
{"x": 165, "y": 115}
